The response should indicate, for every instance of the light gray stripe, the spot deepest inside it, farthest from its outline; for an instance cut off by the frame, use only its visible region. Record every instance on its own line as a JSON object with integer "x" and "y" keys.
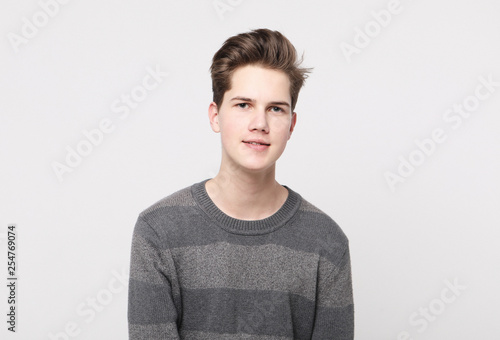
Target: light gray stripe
{"x": 190, "y": 335}
{"x": 151, "y": 265}
{"x": 157, "y": 331}
{"x": 264, "y": 267}
{"x": 335, "y": 286}
{"x": 306, "y": 206}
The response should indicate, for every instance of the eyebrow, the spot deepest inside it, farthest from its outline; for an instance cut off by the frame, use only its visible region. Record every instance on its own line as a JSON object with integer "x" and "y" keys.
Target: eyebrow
{"x": 253, "y": 101}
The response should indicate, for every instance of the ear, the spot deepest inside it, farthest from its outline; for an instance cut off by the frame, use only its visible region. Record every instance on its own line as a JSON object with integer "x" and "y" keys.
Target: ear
{"x": 292, "y": 124}
{"x": 213, "y": 116}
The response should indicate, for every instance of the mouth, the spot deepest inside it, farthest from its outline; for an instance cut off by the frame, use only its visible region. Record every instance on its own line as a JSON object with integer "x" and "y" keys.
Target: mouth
{"x": 256, "y": 143}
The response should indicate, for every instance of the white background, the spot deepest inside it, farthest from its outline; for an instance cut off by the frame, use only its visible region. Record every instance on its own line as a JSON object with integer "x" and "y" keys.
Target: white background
{"x": 357, "y": 115}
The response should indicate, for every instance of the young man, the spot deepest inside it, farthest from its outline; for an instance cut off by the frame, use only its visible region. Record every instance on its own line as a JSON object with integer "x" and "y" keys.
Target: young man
{"x": 240, "y": 256}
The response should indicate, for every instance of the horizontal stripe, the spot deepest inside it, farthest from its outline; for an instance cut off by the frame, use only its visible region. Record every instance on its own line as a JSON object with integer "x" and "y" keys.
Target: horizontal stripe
{"x": 306, "y": 206}
{"x": 188, "y": 226}
{"x": 335, "y": 283}
{"x": 265, "y": 267}
{"x": 254, "y": 312}
{"x": 338, "y": 321}
{"x": 149, "y": 264}
{"x": 151, "y": 304}
{"x": 159, "y": 331}
{"x": 187, "y": 269}
{"x": 188, "y": 335}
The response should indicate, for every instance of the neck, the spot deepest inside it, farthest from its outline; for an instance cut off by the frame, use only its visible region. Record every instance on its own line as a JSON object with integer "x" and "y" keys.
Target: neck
{"x": 247, "y": 195}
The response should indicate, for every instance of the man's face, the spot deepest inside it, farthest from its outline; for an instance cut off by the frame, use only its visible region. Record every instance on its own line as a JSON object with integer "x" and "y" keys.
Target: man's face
{"x": 255, "y": 118}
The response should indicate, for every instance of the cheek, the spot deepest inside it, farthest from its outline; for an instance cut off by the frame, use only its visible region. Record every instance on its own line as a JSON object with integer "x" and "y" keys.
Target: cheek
{"x": 282, "y": 127}
{"x": 229, "y": 132}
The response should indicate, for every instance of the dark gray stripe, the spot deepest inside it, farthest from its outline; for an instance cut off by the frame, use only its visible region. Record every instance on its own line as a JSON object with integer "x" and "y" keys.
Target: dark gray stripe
{"x": 150, "y": 303}
{"x": 231, "y": 311}
{"x": 193, "y": 335}
{"x": 338, "y": 321}
{"x": 308, "y": 232}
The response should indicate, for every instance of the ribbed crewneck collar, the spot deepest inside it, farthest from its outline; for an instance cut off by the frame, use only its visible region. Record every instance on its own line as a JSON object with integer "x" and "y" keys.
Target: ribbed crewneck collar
{"x": 244, "y": 227}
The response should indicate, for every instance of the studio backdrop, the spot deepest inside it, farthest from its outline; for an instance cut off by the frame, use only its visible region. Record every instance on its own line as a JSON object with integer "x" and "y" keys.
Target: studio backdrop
{"x": 103, "y": 112}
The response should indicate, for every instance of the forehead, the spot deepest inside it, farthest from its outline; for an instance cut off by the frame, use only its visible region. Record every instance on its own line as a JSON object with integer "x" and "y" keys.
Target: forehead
{"x": 259, "y": 83}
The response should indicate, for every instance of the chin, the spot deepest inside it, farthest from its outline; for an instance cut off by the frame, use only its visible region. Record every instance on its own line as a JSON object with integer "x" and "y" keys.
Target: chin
{"x": 257, "y": 166}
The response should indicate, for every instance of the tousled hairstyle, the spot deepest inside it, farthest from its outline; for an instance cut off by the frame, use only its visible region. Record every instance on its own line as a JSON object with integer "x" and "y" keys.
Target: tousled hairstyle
{"x": 262, "y": 47}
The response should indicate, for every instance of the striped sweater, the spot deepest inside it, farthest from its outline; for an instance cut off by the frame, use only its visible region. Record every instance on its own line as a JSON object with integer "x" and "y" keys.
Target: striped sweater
{"x": 197, "y": 273}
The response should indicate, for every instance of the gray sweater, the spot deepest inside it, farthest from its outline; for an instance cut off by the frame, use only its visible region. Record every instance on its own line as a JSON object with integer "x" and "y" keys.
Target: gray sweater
{"x": 197, "y": 273}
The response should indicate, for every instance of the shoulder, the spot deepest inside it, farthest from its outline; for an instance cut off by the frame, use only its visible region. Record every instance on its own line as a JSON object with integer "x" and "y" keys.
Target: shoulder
{"x": 317, "y": 227}
{"x": 168, "y": 206}
{"x": 317, "y": 218}
{"x": 167, "y": 216}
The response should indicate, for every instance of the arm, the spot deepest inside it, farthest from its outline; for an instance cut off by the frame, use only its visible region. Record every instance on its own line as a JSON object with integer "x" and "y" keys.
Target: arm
{"x": 153, "y": 300}
{"x": 334, "y": 306}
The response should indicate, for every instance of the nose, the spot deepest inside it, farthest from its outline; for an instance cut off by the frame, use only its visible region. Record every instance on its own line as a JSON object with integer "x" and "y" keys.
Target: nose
{"x": 259, "y": 121}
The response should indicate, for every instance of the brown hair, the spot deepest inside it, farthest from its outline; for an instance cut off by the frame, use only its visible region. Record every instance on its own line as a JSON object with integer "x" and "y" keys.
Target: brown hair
{"x": 263, "y": 47}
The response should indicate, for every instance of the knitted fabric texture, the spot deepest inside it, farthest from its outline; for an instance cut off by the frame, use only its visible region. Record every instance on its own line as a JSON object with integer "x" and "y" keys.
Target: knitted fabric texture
{"x": 197, "y": 273}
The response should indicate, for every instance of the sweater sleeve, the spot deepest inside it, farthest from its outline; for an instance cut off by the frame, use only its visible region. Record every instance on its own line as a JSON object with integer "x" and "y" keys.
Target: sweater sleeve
{"x": 334, "y": 317}
{"x": 153, "y": 299}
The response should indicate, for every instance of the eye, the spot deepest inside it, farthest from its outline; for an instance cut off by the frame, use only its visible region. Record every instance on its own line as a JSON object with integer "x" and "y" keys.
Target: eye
{"x": 242, "y": 105}
{"x": 277, "y": 109}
